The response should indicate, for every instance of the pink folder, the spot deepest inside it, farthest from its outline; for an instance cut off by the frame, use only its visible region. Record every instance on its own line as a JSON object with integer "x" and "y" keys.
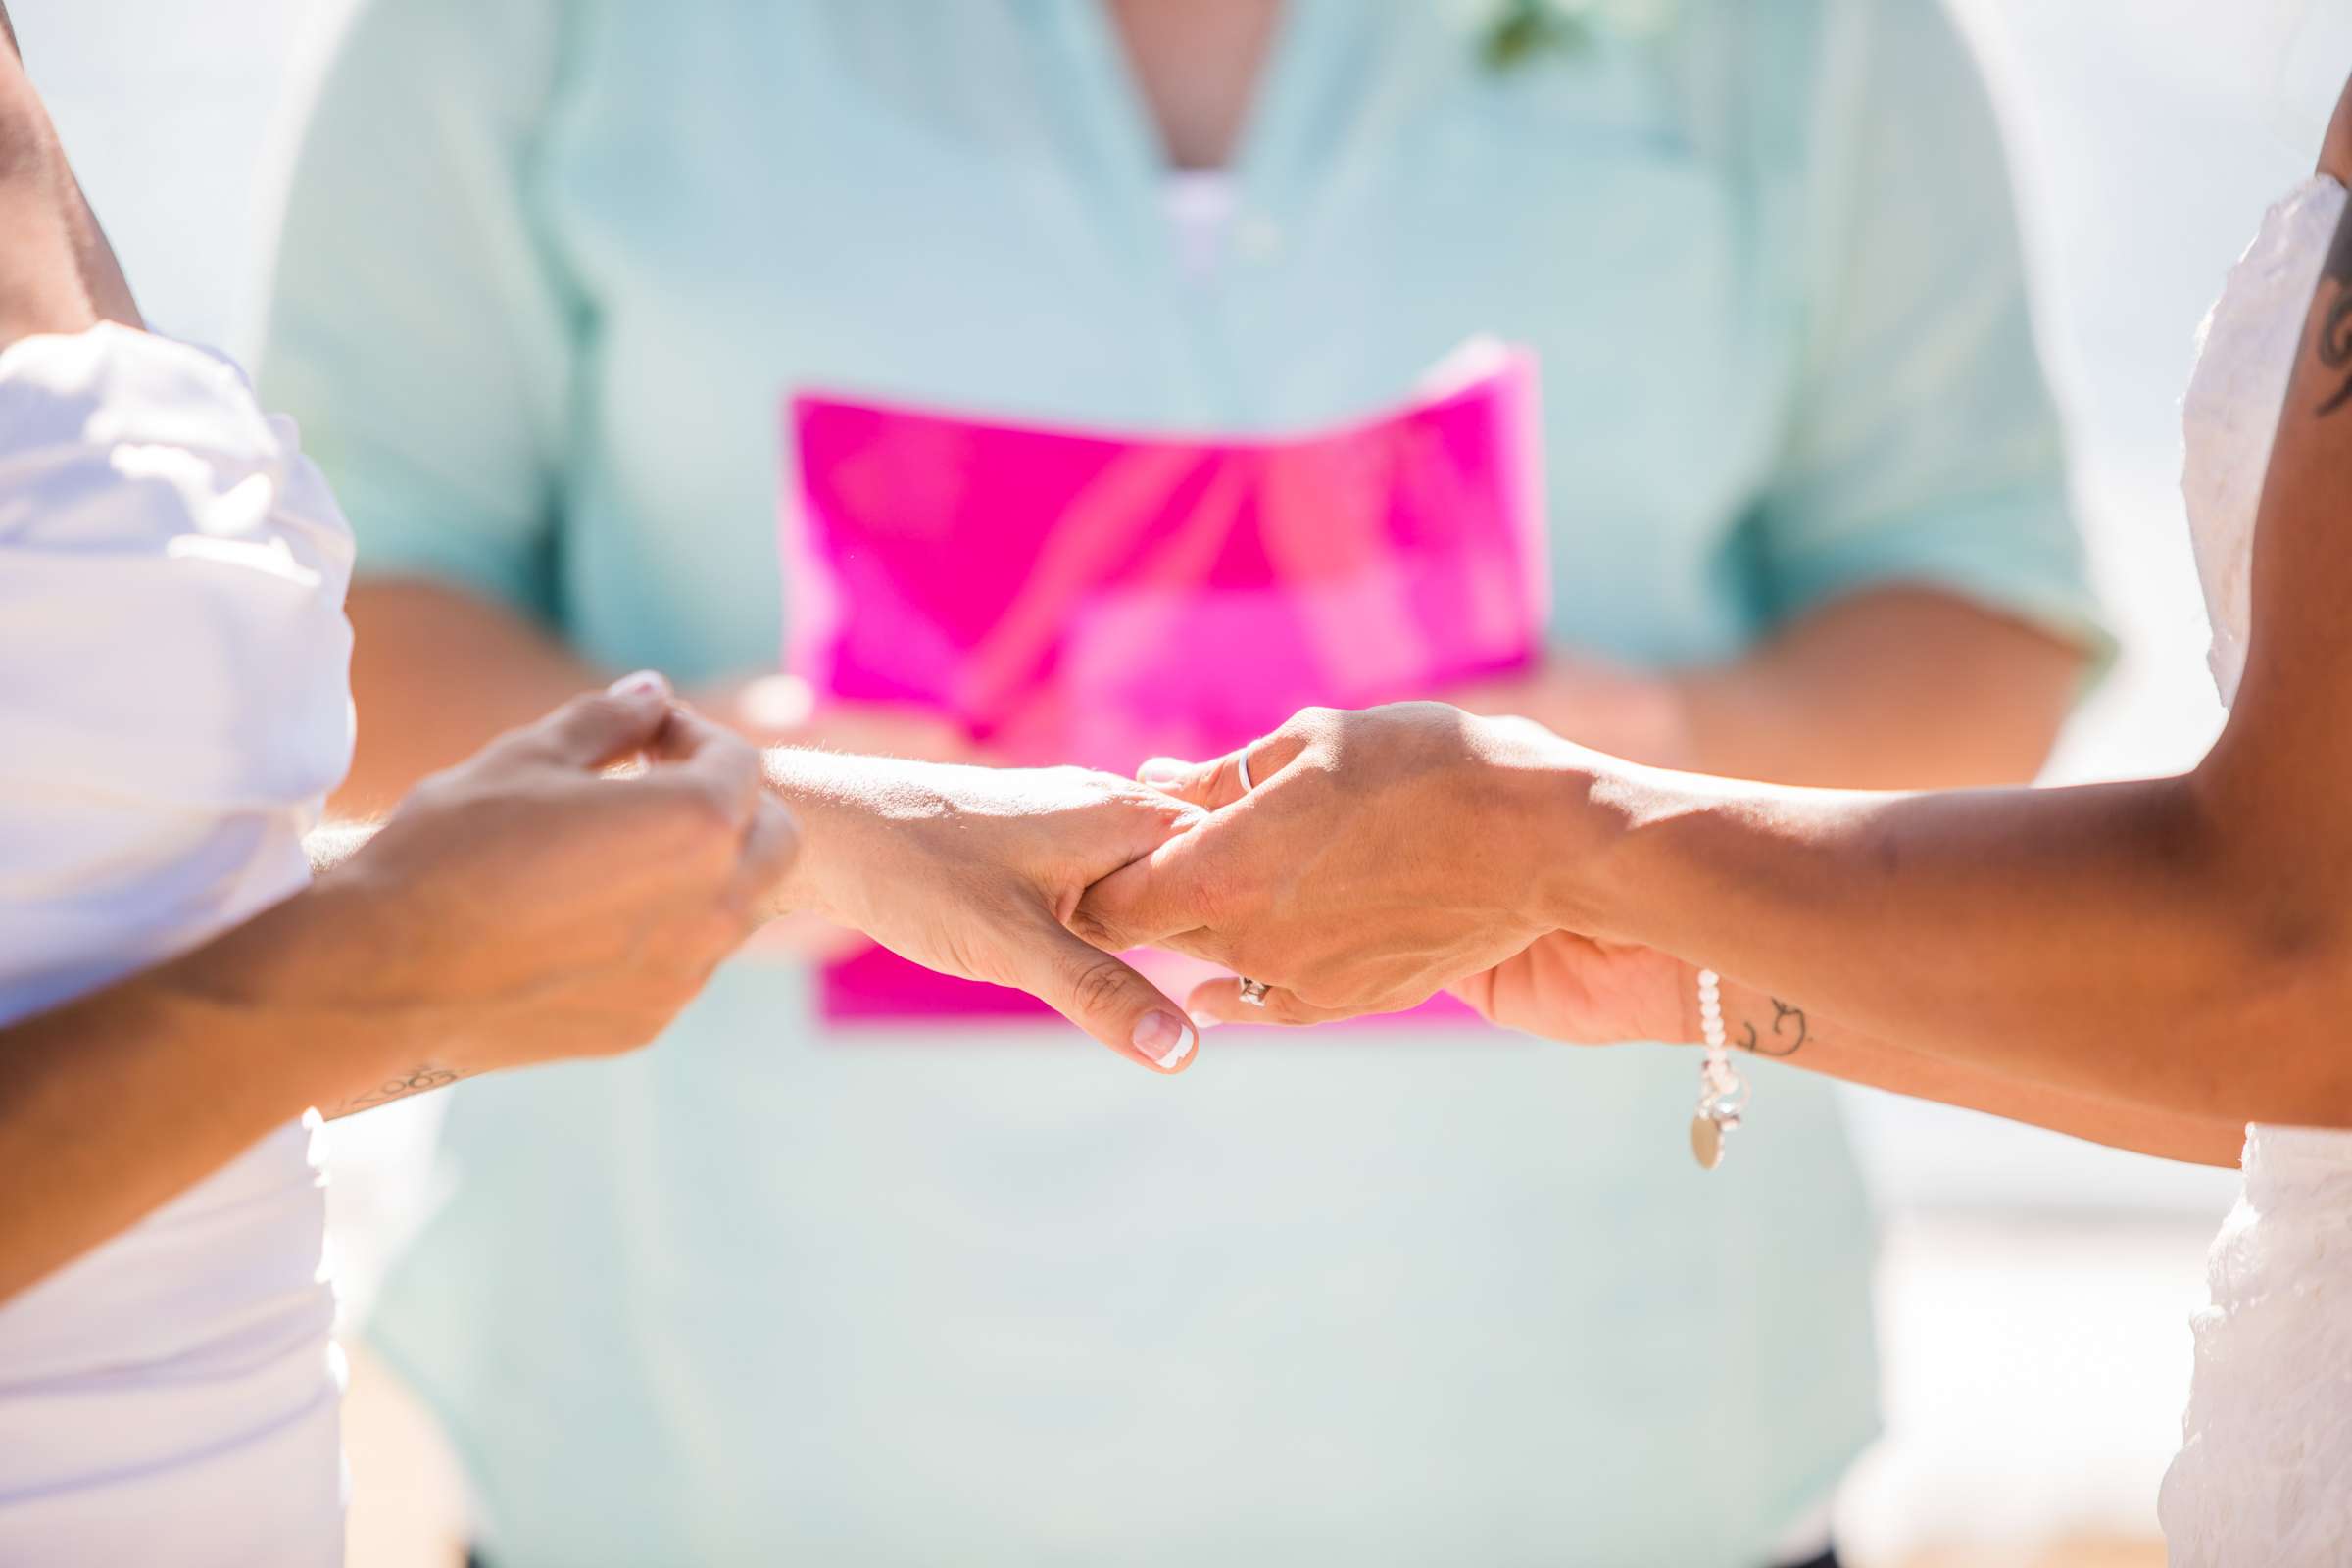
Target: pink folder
{"x": 1102, "y": 597}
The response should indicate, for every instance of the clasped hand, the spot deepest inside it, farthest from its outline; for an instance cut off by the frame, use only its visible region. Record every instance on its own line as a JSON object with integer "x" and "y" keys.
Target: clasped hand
{"x": 1374, "y": 858}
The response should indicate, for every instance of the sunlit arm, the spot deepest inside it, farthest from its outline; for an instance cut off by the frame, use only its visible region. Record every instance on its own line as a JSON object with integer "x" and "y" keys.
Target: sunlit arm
{"x": 113, "y": 1103}
{"x": 2182, "y": 945}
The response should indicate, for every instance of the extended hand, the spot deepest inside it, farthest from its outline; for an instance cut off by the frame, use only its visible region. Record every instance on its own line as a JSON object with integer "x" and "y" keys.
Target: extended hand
{"x": 1380, "y": 855}
{"x": 973, "y": 871}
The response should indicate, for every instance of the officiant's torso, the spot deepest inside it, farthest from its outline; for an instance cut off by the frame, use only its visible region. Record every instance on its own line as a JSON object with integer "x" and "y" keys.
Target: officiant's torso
{"x": 771, "y": 1292}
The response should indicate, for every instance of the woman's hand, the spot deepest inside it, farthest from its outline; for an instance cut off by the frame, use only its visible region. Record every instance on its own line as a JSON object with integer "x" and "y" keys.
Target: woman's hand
{"x": 519, "y": 908}
{"x": 1381, "y": 856}
{"x": 522, "y": 907}
{"x": 974, "y": 871}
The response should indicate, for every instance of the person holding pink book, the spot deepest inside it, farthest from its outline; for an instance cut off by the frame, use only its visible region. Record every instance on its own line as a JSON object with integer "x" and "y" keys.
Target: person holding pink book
{"x": 947, "y": 1291}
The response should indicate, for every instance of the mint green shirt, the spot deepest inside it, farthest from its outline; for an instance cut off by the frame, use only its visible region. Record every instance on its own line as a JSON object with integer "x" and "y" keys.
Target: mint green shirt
{"x": 768, "y": 1294}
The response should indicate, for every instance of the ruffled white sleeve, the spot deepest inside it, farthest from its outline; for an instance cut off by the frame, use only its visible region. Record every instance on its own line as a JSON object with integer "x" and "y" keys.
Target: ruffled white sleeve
{"x": 174, "y": 694}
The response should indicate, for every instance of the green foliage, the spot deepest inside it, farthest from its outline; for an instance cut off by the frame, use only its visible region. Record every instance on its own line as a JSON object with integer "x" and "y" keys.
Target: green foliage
{"x": 1529, "y": 30}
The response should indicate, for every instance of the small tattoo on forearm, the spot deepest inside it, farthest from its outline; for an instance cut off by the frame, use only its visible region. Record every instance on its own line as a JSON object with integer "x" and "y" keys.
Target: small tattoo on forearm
{"x": 2334, "y": 350}
{"x": 418, "y": 1081}
{"x": 1789, "y": 1032}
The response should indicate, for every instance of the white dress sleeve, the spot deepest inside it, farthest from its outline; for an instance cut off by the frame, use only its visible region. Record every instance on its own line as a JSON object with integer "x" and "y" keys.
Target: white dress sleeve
{"x": 173, "y": 706}
{"x": 2245, "y": 354}
{"x": 174, "y": 663}
{"x": 2264, "y": 1474}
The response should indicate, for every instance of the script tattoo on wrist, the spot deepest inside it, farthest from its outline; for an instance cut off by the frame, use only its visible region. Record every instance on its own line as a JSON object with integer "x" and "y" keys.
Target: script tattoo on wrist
{"x": 1788, "y": 1036}
{"x": 2334, "y": 350}
{"x": 417, "y": 1081}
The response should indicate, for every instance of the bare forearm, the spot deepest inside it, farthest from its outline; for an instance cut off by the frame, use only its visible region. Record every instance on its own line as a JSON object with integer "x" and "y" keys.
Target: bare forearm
{"x": 437, "y": 671}
{"x": 1764, "y": 1025}
{"x": 2106, "y": 941}
{"x": 112, "y": 1104}
{"x": 1842, "y": 697}
{"x": 2184, "y": 945}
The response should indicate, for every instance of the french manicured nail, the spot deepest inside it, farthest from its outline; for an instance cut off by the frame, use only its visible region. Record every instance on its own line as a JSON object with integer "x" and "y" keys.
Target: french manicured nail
{"x": 1162, "y": 771}
{"x": 645, "y": 683}
{"x": 1163, "y": 1037}
{"x": 1205, "y": 1020}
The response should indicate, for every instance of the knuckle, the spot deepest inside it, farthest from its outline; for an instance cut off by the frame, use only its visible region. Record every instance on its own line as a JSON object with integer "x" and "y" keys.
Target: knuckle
{"x": 1318, "y": 726}
{"x": 585, "y": 713}
{"x": 1096, "y": 985}
{"x": 1090, "y": 925}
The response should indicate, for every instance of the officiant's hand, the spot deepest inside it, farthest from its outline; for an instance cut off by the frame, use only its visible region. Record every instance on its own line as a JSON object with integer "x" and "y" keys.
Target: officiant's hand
{"x": 974, "y": 871}
{"x": 1380, "y": 855}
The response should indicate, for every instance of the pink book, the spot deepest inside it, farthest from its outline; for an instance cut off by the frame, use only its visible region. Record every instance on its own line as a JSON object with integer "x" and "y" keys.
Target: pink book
{"x": 1102, "y": 597}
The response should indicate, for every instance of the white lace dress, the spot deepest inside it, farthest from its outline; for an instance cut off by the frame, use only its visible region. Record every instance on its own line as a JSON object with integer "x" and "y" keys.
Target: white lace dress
{"x": 2265, "y": 1470}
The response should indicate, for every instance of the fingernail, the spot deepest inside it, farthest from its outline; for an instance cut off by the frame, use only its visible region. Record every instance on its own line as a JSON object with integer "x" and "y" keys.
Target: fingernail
{"x": 1163, "y": 1039}
{"x": 645, "y": 683}
{"x": 1162, "y": 771}
{"x": 1205, "y": 1020}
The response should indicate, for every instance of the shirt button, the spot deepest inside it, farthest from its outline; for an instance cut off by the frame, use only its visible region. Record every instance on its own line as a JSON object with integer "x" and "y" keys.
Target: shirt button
{"x": 1258, "y": 238}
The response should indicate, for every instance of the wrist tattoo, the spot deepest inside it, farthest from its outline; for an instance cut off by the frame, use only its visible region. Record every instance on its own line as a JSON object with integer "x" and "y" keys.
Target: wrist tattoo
{"x": 2334, "y": 350}
{"x": 1788, "y": 1036}
{"x": 417, "y": 1081}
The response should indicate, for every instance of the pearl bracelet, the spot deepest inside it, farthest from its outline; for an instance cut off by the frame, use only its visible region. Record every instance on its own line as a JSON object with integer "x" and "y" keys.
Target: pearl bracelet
{"x": 1722, "y": 1092}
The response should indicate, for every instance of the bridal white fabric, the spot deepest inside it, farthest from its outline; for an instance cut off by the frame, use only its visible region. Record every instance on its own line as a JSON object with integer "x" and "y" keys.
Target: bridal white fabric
{"x": 2265, "y": 1470}
{"x": 175, "y": 701}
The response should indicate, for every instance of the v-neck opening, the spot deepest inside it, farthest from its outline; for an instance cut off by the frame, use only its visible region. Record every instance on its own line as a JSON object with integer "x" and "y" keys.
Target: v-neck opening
{"x": 1264, "y": 154}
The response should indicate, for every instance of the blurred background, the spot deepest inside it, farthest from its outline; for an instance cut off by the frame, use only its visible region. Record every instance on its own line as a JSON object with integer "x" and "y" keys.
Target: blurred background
{"x": 2034, "y": 1291}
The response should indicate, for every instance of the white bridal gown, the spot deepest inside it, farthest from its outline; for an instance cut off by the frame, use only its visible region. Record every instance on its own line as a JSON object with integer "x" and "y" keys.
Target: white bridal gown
{"x": 2265, "y": 1470}
{"x": 174, "y": 703}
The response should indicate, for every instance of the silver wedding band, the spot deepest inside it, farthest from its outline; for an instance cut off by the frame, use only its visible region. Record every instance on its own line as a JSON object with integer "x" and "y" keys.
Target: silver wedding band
{"x": 1254, "y": 991}
{"x": 1242, "y": 767}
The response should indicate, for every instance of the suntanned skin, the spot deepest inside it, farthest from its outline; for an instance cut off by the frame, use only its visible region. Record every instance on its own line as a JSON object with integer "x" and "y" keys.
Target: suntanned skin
{"x": 464, "y": 938}
{"x": 523, "y": 905}
{"x": 454, "y": 943}
{"x": 2152, "y": 965}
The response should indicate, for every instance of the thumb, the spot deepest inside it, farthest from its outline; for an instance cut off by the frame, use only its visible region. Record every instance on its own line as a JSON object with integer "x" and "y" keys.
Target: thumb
{"x": 1105, "y": 998}
{"x": 591, "y": 731}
